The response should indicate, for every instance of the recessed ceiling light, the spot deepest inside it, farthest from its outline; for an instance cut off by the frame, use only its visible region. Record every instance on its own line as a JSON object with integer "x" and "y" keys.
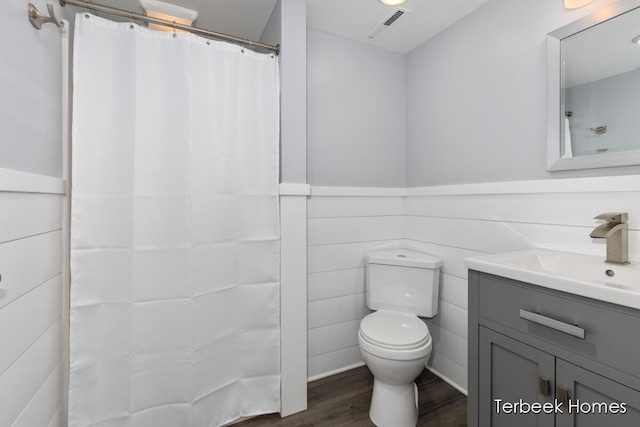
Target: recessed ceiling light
{"x": 168, "y": 12}
{"x": 392, "y": 2}
{"x": 636, "y": 39}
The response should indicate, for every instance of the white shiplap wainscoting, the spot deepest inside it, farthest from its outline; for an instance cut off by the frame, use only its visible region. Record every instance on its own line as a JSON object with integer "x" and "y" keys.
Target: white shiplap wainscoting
{"x": 343, "y": 224}
{"x": 32, "y": 372}
{"x": 458, "y": 221}
{"x": 451, "y": 222}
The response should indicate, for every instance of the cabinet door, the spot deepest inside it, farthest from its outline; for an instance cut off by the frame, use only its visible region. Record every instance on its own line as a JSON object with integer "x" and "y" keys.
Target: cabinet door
{"x": 595, "y": 396}
{"x": 514, "y": 372}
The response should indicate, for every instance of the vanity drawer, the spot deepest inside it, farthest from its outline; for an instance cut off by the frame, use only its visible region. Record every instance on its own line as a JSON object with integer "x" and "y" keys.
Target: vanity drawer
{"x": 611, "y": 333}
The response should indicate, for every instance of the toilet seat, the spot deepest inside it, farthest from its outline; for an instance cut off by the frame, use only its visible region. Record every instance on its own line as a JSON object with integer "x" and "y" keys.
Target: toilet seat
{"x": 394, "y": 330}
{"x": 394, "y": 335}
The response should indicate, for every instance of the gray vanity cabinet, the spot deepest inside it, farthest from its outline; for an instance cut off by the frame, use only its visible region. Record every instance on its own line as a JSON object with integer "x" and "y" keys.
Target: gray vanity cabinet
{"x": 591, "y": 389}
{"x": 590, "y": 356}
{"x": 510, "y": 368}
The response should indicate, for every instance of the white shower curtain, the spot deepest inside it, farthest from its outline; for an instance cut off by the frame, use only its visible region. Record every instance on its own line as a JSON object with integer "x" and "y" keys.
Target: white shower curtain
{"x": 175, "y": 229}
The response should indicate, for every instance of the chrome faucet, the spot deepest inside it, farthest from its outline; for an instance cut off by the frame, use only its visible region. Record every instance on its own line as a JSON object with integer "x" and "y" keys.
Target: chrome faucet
{"x": 616, "y": 231}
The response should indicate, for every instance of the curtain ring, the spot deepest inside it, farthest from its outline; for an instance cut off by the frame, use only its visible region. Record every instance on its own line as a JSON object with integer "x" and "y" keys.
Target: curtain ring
{"x": 86, "y": 8}
{"x": 131, "y": 20}
{"x": 208, "y": 37}
{"x": 244, "y": 42}
{"x": 174, "y": 30}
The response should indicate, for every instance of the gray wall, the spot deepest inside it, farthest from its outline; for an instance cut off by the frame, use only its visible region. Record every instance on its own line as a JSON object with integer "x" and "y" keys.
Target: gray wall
{"x": 476, "y": 97}
{"x": 355, "y": 112}
{"x": 287, "y": 26}
{"x": 271, "y": 33}
{"x": 30, "y": 84}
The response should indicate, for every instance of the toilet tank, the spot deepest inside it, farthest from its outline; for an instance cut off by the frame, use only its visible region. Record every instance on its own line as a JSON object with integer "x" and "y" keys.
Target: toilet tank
{"x": 403, "y": 280}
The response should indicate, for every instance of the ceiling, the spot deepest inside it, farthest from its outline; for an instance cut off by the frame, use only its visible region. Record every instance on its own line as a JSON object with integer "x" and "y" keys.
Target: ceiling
{"x": 351, "y": 19}
{"x": 240, "y": 18}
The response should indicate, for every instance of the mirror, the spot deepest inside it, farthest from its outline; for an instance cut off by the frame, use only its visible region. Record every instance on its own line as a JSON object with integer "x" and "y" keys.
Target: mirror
{"x": 593, "y": 90}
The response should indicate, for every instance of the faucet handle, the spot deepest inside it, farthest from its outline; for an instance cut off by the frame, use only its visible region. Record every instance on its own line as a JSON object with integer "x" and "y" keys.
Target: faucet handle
{"x": 614, "y": 217}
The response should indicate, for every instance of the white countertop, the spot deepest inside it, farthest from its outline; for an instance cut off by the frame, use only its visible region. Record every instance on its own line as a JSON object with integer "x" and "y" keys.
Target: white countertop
{"x": 576, "y": 274}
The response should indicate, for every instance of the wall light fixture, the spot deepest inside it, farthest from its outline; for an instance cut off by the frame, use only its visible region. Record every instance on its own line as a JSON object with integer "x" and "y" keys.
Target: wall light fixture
{"x": 575, "y": 4}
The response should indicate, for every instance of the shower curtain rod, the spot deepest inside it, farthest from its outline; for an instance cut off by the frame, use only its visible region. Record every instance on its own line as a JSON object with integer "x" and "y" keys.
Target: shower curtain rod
{"x": 88, "y": 5}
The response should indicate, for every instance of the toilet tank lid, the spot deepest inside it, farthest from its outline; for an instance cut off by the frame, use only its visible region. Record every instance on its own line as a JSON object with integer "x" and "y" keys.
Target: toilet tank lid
{"x": 404, "y": 258}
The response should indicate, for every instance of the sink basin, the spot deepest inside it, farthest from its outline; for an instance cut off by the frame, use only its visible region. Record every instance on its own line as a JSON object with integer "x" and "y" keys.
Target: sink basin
{"x": 584, "y": 275}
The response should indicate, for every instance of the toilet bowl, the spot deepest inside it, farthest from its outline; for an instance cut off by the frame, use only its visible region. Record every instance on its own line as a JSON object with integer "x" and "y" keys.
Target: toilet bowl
{"x": 395, "y": 347}
{"x": 395, "y": 343}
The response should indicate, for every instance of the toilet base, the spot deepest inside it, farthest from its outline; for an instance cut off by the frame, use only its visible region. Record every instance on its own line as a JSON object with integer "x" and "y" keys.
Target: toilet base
{"x": 394, "y": 405}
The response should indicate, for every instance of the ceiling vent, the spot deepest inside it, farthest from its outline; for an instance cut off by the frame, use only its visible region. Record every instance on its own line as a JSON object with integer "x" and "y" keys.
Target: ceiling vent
{"x": 387, "y": 22}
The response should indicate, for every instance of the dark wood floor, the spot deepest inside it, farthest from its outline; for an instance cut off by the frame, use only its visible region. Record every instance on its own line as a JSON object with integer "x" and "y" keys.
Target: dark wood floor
{"x": 343, "y": 400}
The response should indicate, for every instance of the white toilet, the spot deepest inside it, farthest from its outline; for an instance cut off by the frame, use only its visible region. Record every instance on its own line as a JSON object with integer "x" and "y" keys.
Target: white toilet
{"x": 395, "y": 343}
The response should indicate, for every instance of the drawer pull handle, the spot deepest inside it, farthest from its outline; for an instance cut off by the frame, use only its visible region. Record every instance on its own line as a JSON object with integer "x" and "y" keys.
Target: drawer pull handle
{"x": 552, "y": 323}
{"x": 544, "y": 386}
{"x": 562, "y": 396}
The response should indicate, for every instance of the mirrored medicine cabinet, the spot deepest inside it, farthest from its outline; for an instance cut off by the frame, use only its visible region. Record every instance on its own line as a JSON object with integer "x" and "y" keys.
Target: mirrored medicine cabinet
{"x": 593, "y": 90}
